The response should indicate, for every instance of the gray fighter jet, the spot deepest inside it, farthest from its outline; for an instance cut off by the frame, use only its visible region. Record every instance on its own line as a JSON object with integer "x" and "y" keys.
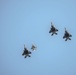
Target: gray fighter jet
{"x": 26, "y": 52}
{"x": 53, "y": 30}
{"x": 33, "y": 47}
{"x": 67, "y": 35}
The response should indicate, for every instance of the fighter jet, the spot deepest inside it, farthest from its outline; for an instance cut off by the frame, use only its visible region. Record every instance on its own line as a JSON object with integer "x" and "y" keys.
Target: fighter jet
{"x": 53, "y": 30}
{"x": 26, "y": 52}
{"x": 33, "y": 47}
{"x": 67, "y": 35}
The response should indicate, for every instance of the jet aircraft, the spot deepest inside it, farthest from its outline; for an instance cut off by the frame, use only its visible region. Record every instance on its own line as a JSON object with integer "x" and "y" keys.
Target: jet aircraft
{"x": 67, "y": 35}
{"x": 26, "y": 52}
{"x": 33, "y": 47}
{"x": 53, "y": 30}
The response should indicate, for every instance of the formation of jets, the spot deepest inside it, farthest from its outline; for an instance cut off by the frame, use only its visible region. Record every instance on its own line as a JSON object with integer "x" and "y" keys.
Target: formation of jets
{"x": 26, "y": 52}
{"x": 53, "y": 31}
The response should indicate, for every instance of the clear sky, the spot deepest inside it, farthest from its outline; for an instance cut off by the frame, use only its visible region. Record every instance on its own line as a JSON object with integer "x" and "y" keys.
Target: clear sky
{"x": 28, "y": 22}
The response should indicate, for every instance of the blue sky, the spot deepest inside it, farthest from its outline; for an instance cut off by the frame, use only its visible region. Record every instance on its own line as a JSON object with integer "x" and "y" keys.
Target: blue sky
{"x": 28, "y": 22}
